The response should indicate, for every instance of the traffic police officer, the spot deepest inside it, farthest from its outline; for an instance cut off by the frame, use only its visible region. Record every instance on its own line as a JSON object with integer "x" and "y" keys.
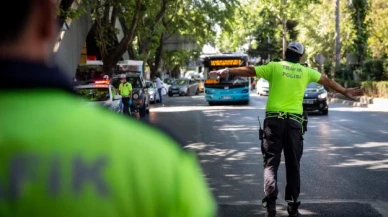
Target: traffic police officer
{"x": 125, "y": 89}
{"x": 61, "y": 158}
{"x": 283, "y": 126}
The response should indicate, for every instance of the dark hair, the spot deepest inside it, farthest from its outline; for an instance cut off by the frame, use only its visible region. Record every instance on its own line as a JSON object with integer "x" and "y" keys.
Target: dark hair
{"x": 13, "y": 19}
{"x": 293, "y": 56}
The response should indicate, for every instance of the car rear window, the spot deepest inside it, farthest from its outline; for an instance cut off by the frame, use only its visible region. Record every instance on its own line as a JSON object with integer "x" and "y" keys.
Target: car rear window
{"x": 94, "y": 94}
{"x": 314, "y": 85}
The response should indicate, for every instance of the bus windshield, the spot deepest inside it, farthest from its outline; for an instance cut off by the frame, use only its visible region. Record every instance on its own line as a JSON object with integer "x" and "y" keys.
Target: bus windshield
{"x": 214, "y": 63}
{"x": 234, "y": 80}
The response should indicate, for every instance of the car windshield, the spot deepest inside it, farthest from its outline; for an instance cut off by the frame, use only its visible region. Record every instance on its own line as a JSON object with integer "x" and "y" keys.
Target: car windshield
{"x": 314, "y": 85}
{"x": 181, "y": 82}
{"x": 94, "y": 94}
{"x": 150, "y": 84}
{"x": 168, "y": 81}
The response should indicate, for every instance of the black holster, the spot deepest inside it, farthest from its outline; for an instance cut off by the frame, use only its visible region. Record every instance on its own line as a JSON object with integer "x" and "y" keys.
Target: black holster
{"x": 261, "y": 134}
{"x": 305, "y": 122}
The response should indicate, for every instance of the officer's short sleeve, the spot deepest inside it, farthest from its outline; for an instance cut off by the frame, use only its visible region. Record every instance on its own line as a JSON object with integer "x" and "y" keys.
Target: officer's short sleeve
{"x": 129, "y": 87}
{"x": 314, "y": 76}
{"x": 264, "y": 71}
{"x": 195, "y": 198}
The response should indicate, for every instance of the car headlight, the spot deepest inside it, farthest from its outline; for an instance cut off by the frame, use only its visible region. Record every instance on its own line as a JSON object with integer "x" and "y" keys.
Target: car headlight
{"x": 322, "y": 95}
{"x": 135, "y": 96}
{"x": 184, "y": 89}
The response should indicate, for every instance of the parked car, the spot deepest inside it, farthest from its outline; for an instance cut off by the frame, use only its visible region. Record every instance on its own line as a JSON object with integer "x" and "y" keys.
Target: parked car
{"x": 315, "y": 99}
{"x": 262, "y": 87}
{"x": 140, "y": 95}
{"x": 99, "y": 93}
{"x": 167, "y": 82}
{"x": 183, "y": 87}
{"x": 152, "y": 91}
{"x": 201, "y": 84}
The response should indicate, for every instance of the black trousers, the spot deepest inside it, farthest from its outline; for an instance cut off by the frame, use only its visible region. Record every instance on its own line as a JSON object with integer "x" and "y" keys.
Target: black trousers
{"x": 282, "y": 134}
{"x": 125, "y": 101}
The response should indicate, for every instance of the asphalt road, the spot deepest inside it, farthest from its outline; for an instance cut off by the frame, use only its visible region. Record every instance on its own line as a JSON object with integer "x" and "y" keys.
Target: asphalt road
{"x": 344, "y": 165}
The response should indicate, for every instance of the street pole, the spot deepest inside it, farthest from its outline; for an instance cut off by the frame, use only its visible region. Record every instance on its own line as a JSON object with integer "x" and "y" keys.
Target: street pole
{"x": 337, "y": 37}
{"x": 269, "y": 55}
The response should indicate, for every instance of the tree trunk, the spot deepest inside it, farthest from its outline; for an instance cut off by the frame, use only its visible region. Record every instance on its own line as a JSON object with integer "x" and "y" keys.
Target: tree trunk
{"x": 284, "y": 37}
{"x": 337, "y": 37}
{"x": 158, "y": 57}
{"x": 131, "y": 52}
{"x": 361, "y": 47}
{"x": 115, "y": 55}
{"x": 108, "y": 68}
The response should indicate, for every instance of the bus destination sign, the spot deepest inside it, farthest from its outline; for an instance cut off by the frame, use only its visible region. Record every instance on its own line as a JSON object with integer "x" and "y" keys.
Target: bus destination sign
{"x": 230, "y": 62}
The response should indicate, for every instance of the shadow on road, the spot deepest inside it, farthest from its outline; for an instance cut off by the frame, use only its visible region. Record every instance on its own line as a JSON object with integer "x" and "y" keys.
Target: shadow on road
{"x": 313, "y": 210}
{"x": 342, "y": 157}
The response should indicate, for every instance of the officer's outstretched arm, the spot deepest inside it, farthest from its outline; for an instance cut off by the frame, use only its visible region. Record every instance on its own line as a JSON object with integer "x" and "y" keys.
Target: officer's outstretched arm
{"x": 351, "y": 93}
{"x": 247, "y": 71}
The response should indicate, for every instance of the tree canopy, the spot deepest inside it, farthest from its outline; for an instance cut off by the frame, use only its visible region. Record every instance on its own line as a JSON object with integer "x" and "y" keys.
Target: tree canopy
{"x": 271, "y": 24}
{"x": 261, "y": 28}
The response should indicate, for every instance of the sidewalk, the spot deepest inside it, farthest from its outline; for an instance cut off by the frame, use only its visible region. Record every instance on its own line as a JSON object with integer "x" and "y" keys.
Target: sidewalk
{"x": 379, "y": 104}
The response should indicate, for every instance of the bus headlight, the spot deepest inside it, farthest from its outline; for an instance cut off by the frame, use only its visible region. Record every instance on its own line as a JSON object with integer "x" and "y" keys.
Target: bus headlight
{"x": 322, "y": 95}
{"x": 135, "y": 96}
{"x": 208, "y": 92}
{"x": 245, "y": 91}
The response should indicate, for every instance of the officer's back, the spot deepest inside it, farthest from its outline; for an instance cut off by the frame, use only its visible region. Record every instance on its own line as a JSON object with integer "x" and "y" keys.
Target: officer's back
{"x": 61, "y": 158}
{"x": 287, "y": 81}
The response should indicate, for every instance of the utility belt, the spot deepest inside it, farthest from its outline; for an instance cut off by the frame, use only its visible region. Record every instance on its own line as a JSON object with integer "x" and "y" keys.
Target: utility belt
{"x": 301, "y": 119}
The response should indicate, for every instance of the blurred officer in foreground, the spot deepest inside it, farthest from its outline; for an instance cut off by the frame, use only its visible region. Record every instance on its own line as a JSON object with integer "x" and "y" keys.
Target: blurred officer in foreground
{"x": 284, "y": 122}
{"x": 61, "y": 158}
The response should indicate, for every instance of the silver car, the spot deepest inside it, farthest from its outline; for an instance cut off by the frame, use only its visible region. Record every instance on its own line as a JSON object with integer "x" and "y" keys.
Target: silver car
{"x": 100, "y": 95}
{"x": 183, "y": 87}
{"x": 152, "y": 91}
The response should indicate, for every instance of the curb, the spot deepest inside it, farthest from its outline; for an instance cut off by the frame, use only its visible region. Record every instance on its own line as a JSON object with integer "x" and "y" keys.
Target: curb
{"x": 348, "y": 102}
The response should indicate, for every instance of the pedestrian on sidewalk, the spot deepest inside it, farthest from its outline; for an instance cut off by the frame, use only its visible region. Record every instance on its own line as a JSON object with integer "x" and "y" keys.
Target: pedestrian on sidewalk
{"x": 284, "y": 124}
{"x": 60, "y": 157}
{"x": 159, "y": 86}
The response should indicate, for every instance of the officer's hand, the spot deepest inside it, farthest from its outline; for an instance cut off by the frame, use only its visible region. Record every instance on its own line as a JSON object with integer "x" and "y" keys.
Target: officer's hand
{"x": 221, "y": 72}
{"x": 352, "y": 93}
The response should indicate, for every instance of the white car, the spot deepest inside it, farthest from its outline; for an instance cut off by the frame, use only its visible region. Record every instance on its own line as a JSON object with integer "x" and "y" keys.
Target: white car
{"x": 100, "y": 93}
{"x": 262, "y": 87}
{"x": 167, "y": 82}
{"x": 152, "y": 91}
